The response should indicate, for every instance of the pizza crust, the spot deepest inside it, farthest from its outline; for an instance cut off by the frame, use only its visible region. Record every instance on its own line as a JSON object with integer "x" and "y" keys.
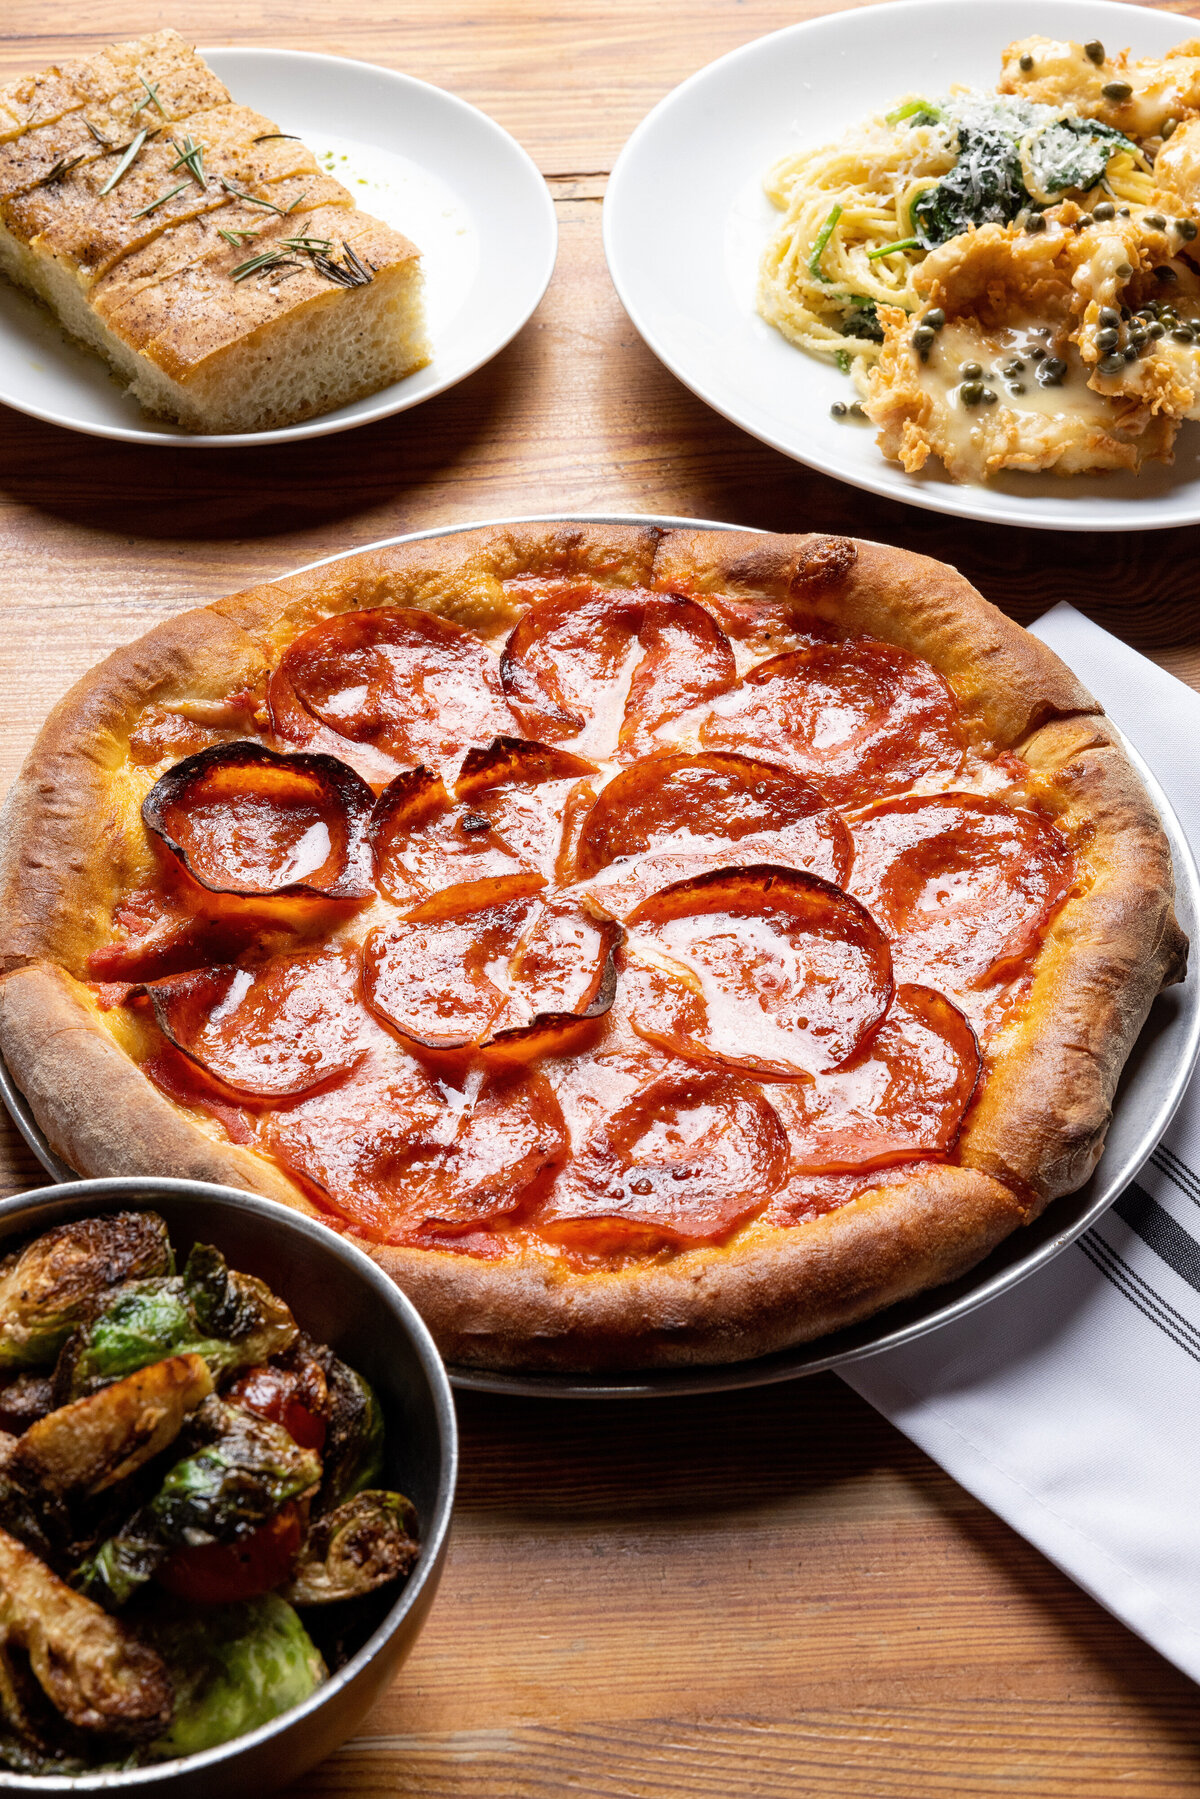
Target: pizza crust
{"x": 72, "y": 842}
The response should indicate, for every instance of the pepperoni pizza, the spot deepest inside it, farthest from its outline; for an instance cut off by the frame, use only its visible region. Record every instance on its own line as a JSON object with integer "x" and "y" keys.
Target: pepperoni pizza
{"x": 656, "y": 947}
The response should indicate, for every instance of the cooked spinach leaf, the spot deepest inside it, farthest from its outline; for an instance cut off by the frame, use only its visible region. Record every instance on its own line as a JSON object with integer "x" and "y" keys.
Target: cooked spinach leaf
{"x": 864, "y": 323}
{"x": 1074, "y": 153}
{"x": 983, "y": 188}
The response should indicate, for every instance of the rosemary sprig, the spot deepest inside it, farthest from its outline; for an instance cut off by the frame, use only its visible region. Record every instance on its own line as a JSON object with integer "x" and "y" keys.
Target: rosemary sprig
{"x": 151, "y": 97}
{"x": 319, "y": 246}
{"x": 294, "y": 203}
{"x": 268, "y": 136}
{"x": 250, "y": 199}
{"x": 191, "y": 158}
{"x": 131, "y": 150}
{"x": 236, "y": 238}
{"x": 258, "y": 265}
{"x": 161, "y": 201}
{"x": 98, "y": 135}
{"x": 62, "y": 167}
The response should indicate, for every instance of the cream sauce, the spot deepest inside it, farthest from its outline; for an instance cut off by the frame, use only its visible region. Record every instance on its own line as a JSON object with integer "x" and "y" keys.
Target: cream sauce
{"x": 1068, "y": 402}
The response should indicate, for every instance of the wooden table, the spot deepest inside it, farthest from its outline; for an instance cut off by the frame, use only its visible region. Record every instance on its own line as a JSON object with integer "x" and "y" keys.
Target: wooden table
{"x": 766, "y": 1596}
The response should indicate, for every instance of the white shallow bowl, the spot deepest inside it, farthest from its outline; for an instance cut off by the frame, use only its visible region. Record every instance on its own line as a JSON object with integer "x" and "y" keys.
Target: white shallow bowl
{"x": 412, "y": 155}
{"x": 686, "y": 221}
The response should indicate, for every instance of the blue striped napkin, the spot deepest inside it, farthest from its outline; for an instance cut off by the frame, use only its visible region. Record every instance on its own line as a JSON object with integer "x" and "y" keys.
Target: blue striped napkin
{"x": 1059, "y": 1404}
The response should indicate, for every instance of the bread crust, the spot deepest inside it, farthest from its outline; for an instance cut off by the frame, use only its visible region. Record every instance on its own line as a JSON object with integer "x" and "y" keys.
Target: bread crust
{"x": 71, "y": 845}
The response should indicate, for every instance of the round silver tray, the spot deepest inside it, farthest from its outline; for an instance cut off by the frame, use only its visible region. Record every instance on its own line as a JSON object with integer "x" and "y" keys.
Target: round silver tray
{"x": 1151, "y": 1087}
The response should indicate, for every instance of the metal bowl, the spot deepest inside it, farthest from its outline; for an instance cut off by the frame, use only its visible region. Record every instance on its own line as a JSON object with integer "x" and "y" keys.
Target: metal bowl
{"x": 341, "y": 1298}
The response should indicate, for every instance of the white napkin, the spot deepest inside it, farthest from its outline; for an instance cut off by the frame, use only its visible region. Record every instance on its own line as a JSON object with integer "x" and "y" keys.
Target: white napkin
{"x": 1070, "y": 1404}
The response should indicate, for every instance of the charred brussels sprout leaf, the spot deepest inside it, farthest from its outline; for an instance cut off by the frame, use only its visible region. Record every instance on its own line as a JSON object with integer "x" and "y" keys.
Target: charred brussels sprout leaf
{"x": 353, "y": 1453}
{"x": 228, "y": 1487}
{"x": 234, "y": 1667}
{"x": 230, "y": 1319}
{"x": 144, "y": 1322}
{"x": 63, "y": 1277}
{"x": 363, "y": 1544}
{"x": 237, "y": 1307}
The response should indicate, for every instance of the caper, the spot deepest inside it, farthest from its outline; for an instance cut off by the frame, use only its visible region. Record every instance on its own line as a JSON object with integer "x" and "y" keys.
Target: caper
{"x": 1108, "y": 315}
{"x": 1035, "y": 223}
{"x": 923, "y": 336}
{"x": 858, "y": 410}
{"x": 1116, "y": 90}
{"x": 838, "y": 409}
{"x": 1026, "y": 62}
{"x": 1156, "y": 221}
{"x": 1105, "y": 210}
{"x": 1169, "y": 128}
{"x": 1130, "y": 354}
{"x": 935, "y": 318}
{"x": 1015, "y": 367}
{"x": 1124, "y": 270}
{"x": 1036, "y": 354}
{"x": 1183, "y": 334}
{"x": 1186, "y": 228}
{"x": 1052, "y": 372}
{"x": 988, "y": 397}
{"x": 971, "y": 371}
{"x": 1107, "y": 340}
{"x": 1163, "y": 274}
{"x": 1138, "y": 339}
{"x": 1112, "y": 365}
{"x": 1124, "y": 212}
{"x": 1016, "y": 387}
{"x": 1094, "y": 51}
{"x": 1083, "y": 221}
{"x": 972, "y": 392}
{"x": 1155, "y": 330}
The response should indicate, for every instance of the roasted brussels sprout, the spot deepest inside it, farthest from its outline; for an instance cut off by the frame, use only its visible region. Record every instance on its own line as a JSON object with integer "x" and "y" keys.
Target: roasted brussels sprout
{"x": 93, "y": 1443}
{"x": 231, "y": 1319}
{"x": 234, "y": 1667}
{"x": 98, "y": 1675}
{"x": 238, "y": 1479}
{"x": 62, "y": 1277}
{"x": 24, "y": 1399}
{"x": 353, "y": 1453}
{"x": 366, "y": 1542}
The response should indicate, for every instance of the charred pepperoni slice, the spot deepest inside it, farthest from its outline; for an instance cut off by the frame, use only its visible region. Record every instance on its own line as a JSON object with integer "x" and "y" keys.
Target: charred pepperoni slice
{"x": 271, "y": 1031}
{"x": 401, "y": 1157}
{"x": 505, "y": 819}
{"x": 670, "y": 816}
{"x": 902, "y": 1097}
{"x": 410, "y": 684}
{"x": 491, "y": 965}
{"x": 241, "y": 819}
{"x": 765, "y": 969}
{"x": 965, "y": 885}
{"x": 682, "y": 1162}
{"x": 860, "y": 720}
{"x": 607, "y": 670}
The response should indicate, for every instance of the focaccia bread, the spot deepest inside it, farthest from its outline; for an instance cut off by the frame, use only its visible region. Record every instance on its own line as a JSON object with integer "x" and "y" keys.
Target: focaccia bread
{"x": 657, "y": 947}
{"x": 225, "y": 277}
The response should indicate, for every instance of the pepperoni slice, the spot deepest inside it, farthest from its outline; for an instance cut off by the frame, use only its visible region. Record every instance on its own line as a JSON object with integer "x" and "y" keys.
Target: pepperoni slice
{"x": 860, "y": 719}
{"x": 245, "y": 820}
{"x": 402, "y": 1157}
{"x": 493, "y": 964}
{"x": 671, "y": 816}
{"x": 509, "y": 822}
{"x": 271, "y": 1031}
{"x": 766, "y": 969}
{"x": 904, "y": 1096}
{"x": 609, "y": 669}
{"x": 406, "y": 682}
{"x": 296, "y": 728}
{"x": 682, "y": 1162}
{"x": 963, "y": 884}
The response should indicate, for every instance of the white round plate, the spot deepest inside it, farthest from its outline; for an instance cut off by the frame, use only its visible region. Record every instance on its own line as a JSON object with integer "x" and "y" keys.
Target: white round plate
{"x": 686, "y": 221}
{"x": 412, "y": 155}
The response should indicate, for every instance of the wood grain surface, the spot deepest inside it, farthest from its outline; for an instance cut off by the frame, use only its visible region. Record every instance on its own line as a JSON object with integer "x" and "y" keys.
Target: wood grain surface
{"x": 770, "y": 1595}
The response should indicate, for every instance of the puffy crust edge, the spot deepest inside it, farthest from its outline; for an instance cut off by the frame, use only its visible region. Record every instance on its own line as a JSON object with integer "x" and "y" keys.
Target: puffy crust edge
{"x": 1036, "y": 1132}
